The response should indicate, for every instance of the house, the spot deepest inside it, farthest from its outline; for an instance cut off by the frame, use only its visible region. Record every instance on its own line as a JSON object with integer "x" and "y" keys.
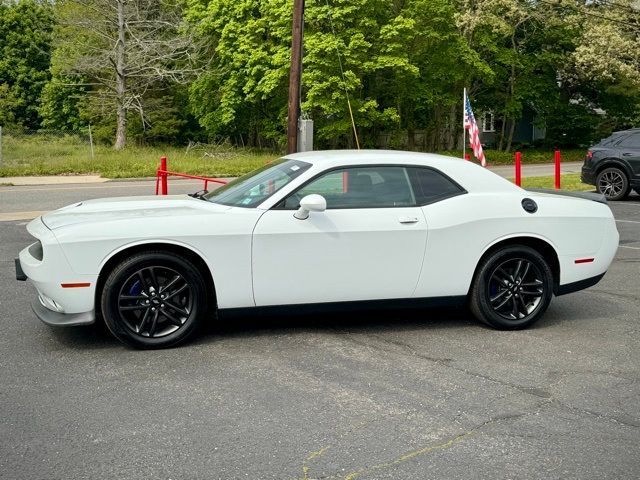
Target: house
{"x": 527, "y": 129}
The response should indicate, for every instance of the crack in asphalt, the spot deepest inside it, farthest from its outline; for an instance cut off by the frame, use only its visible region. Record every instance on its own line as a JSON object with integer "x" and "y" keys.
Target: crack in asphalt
{"x": 547, "y": 400}
{"x": 628, "y": 422}
{"x": 442, "y": 445}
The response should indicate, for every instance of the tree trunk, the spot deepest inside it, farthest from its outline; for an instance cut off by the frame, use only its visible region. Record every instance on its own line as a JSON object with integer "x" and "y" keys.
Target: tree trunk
{"x": 512, "y": 127}
{"x": 451, "y": 140}
{"x": 502, "y": 129}
{"x": 121, "y": 87}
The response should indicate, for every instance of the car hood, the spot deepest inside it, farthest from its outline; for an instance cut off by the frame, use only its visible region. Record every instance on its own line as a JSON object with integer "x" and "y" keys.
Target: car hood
{"x": 120, "y": 208}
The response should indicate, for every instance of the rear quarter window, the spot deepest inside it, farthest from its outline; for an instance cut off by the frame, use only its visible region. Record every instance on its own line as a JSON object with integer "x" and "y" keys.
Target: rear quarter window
{"x": 430, "y": 185}
{"x": 630, "y": 141}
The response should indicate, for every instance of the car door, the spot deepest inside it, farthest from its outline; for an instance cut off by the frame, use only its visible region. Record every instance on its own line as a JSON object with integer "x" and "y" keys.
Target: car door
{"x": 368, "y": 244}
{"x": 630, "y": 152}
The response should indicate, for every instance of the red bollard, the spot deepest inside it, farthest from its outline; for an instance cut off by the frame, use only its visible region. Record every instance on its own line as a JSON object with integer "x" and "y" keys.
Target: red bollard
{"x": 518, "y": 168}
{"x": 163, "y": 176}
{"x": 557, "y": 175}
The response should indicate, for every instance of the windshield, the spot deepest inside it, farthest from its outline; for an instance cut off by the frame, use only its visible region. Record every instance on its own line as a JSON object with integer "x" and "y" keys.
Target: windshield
{"x": 255, "y": 187}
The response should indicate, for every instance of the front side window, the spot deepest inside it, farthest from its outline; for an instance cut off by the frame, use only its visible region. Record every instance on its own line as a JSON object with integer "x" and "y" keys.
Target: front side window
{"x": 359, "y": 187}
{"x": 255, "y": 187}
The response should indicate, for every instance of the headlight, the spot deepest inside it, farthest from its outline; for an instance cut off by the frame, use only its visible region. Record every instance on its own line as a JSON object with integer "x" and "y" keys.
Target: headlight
{"x": 35, "y": 249}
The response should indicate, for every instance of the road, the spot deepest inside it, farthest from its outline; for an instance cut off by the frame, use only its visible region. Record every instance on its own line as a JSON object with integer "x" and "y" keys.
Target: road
{"x": 25, "y": 202}
{"x": 424, "y": 394}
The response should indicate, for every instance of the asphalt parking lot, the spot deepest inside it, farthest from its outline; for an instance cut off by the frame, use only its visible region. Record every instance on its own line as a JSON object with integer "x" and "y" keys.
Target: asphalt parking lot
{"x": 400, "y": 395}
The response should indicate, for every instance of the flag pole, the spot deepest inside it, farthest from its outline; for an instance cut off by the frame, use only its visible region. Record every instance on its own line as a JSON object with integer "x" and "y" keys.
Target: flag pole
{"x": 464, "y": 129}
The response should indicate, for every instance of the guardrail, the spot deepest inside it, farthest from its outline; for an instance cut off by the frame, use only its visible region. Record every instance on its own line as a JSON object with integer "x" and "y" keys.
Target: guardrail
{"x": 163, "y": 174}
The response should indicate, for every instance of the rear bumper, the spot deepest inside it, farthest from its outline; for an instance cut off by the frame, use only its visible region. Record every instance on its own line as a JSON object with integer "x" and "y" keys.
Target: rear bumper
{"x": 579, "y": 285}
{"x": 588, "y": 176}
{"x": 57, "y": 319}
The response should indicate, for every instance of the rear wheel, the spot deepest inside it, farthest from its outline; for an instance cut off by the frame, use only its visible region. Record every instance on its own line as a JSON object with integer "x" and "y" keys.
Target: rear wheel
{"x": 512, "y": 288}
{"x": 613, "y": 183}
{"x": 154, "y": 300}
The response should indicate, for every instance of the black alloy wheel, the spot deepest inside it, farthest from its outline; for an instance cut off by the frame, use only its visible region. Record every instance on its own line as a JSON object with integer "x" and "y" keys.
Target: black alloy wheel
{"x": 512, "y": 288}
{"x": 154, "y": 300}
{"x": 613, "y": 183}
{"x": 516, "y": 287}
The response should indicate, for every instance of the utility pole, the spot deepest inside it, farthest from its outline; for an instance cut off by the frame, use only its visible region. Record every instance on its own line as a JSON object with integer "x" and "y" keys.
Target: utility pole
{"x": 295, "y": 75}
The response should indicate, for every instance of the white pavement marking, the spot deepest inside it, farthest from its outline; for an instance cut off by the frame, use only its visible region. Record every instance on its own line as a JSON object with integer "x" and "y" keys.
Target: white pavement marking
{"x": 627, "y": 221}
{"x": 626, "y": 246}
{"x": 13, "y": 216}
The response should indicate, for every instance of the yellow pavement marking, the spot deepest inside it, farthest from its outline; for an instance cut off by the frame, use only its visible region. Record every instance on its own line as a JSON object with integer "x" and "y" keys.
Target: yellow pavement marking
{"x": 101, "y": 186}
{"x": 12, "y": 216}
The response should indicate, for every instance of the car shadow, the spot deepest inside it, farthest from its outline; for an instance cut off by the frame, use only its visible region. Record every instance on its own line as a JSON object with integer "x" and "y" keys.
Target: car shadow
{"x": 563, "y": 310}
{"x": 370, "y": 320}
{"x": 96, "y": 336}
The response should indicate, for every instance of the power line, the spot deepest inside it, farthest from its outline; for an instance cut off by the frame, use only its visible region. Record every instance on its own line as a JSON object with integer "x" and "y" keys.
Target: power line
{"x": 595, "y": 15}
{"x": 344, "y": 83}
{"x": 626, "y": 8}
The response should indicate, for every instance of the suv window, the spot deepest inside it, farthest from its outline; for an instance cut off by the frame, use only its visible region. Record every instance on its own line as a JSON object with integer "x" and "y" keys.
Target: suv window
{"x": 430, "y": 185}
{"x": 359, "y": 187}
{"x": 631, "y": 141}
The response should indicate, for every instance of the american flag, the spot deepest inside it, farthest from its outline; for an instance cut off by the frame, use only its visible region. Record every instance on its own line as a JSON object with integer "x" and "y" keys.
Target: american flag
{"x": 474, "y": 135}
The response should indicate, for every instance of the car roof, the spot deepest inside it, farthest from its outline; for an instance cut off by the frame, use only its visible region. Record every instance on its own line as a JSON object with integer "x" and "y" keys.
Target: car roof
{"x": 469, "y": 175}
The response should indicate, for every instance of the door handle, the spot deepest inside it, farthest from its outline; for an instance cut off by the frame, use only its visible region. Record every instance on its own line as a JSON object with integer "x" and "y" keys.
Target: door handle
{"x": 407, "y": 220}
{"x": 627, "y": 154}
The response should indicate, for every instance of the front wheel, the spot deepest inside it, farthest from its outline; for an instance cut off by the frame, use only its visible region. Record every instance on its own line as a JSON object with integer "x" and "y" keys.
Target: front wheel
{"x": 154, "y": 300}
{"x": 512, "y": 288}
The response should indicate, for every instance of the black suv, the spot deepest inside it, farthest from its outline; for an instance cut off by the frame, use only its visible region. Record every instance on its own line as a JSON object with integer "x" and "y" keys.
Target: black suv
{"x": 613, "y": 165}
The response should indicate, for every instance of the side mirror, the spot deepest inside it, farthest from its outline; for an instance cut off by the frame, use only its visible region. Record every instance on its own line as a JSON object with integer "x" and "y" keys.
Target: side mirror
{"x": 310, "y": 203}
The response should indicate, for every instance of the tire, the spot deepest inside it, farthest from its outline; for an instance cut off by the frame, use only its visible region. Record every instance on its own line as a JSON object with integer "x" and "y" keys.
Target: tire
{"x": 527, "y": 289}
{"x": 613, "y": 183}
{"x": 137, "y": 313}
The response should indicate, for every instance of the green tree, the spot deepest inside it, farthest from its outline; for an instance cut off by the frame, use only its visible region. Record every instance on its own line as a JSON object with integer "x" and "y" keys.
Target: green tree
{"x": 25, "y": 46}
{"x": 61, "y": 104}
{"x": 399, "y": 66}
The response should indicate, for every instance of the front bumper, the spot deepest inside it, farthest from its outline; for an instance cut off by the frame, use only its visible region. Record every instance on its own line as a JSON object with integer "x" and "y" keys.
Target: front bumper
{"x": 64, "y": 296}
{"x": 57, "y": 319}
{"x": 20, "y": 275}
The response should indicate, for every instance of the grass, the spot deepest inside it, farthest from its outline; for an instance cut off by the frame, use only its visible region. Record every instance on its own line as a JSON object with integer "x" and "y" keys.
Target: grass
{"x": 569, "y": 181}
{"x": 43, "y": 154}
{"x": 48, "y": 155}
{"x": 532, "y": 156}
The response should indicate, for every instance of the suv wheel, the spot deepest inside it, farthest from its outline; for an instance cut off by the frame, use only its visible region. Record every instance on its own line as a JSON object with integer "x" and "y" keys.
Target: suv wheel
{"x": 613, "y": 183}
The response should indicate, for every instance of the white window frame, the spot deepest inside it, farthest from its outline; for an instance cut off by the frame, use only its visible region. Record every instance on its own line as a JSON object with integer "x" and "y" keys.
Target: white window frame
{"x": 488, "y": 126}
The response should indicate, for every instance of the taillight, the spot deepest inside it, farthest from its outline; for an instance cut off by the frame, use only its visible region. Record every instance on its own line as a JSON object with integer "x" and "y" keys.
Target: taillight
{"x": 589, "y": 154}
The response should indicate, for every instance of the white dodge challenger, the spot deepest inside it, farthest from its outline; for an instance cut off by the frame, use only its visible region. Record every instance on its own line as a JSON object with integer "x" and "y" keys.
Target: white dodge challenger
{"x": 318, "y": 229}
